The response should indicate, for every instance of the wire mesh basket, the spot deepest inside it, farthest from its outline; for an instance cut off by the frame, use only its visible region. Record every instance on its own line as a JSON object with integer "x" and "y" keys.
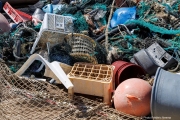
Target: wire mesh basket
{"x": 81, "y": 43}
{"x": 83, "y": 47}
{"x": 29, "y": 99}
{"x": 83, "y": 57}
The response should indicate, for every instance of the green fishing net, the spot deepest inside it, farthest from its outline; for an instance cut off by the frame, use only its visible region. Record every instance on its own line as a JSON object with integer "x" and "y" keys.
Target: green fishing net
{"x": 142, "y": 8}
{"x": 80, "y": 23}
{"x": 176, "y": 4}
{"x": 153, "y": 27}
{"x": 101, "y": 7}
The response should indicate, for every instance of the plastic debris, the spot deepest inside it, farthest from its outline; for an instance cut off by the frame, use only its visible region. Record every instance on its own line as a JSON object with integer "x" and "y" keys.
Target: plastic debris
{"x": 54, "y": 67}
{"x": 61, "y": 27}
{"x": 16, "y": 15}
{"x": 98, "y": 32}
{"x": 4, "y": 25}
{"x": 153, "y": 57}
{"x": 122, "y": 15}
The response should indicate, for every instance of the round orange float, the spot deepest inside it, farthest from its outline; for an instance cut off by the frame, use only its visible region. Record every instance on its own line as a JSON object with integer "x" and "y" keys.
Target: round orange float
{"x": 133, "y": 96}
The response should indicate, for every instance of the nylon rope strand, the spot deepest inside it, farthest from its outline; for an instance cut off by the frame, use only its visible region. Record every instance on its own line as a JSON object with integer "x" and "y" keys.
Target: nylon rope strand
{"x": 106, "y": 32}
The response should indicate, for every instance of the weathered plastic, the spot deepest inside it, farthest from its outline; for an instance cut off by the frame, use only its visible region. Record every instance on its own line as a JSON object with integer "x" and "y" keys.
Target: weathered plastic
{"x": 93, "y": 79}
{"x": 53, "y": 30}
{"x": 144, "y": 60}
{"x": 54, "y": 67}
{"x": 4, "y": 25}
{"x": 133, "y": 96}
{"x": 165, "y": 98}
{"x": 122, "y": 15}
{"x": 48, "y": 8}
{"x": 160, "y": 56}
{"x": 16, "y": 15}
{"x": 153, "y": 57}
{"x": 39, "y": 14}
{"x": 66, "y": 68}
{"x": 125, "y": 70}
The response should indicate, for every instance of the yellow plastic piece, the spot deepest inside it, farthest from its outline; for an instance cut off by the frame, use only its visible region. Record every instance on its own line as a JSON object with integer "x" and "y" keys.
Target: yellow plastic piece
{"x": 93, "y": 79}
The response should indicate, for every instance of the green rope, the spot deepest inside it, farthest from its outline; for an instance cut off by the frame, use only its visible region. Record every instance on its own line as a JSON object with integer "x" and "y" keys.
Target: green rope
{"x": 153, "y": 27}
{"x": 100, "y": 6}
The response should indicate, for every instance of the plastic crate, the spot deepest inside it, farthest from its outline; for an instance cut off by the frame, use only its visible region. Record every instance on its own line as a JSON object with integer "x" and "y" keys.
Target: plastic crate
{"x": 16, "y": 15}
{"x": 53, "y": 30}
{"x": 93, "y": 79}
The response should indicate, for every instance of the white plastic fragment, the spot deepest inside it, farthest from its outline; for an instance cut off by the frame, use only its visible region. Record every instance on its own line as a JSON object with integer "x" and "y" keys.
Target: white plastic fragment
{"x": 52, "y": 24}
{"x": 54, "y": 67}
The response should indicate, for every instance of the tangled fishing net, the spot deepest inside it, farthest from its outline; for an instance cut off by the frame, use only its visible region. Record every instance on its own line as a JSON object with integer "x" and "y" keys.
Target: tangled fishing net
{"x": 155, "y": 22}
{"x": 29, "y": 99}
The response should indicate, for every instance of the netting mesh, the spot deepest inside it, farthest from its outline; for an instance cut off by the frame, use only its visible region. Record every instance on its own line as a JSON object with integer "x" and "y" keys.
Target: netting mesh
{"x": 29, "y": 99}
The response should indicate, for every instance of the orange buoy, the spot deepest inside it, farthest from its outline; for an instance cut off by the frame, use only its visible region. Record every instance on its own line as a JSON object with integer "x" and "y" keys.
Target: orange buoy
{"x": 133, "y": 96}
{"x": 4, "y": 25}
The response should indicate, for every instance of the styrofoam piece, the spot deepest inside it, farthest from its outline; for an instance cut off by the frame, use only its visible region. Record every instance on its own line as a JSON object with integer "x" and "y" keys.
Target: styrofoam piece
{"x": 53, "y": 24}
{"x": 54, "y": 67}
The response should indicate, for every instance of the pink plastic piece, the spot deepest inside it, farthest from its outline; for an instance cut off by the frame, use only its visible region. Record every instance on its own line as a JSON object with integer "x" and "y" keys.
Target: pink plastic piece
{"x": 133, "y": 97}
{"x": 4, "y": 25}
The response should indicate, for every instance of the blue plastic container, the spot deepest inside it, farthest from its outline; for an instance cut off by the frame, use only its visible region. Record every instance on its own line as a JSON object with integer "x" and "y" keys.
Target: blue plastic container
{"x": 122, "y": 15}
{"x": 48, "y": 8}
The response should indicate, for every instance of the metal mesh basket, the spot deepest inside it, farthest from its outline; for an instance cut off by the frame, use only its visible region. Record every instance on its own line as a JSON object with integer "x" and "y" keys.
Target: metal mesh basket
{"x": 28, "y": 99}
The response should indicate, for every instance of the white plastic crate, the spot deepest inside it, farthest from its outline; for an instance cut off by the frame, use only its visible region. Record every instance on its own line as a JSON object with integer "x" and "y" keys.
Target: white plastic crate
{"x": 53, "y": 29}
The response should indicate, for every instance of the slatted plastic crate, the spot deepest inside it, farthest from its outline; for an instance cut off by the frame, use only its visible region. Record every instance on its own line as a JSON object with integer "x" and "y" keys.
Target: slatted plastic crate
{"x": 16, "y": 15}
{"x": 93, "y": 79}
{"x": 53, "y": 30}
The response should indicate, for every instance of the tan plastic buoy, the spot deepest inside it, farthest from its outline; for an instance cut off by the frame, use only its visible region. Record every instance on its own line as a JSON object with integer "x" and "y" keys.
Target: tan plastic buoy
{"x": 4, "y": 25}
{"x": 133, "y": 96}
